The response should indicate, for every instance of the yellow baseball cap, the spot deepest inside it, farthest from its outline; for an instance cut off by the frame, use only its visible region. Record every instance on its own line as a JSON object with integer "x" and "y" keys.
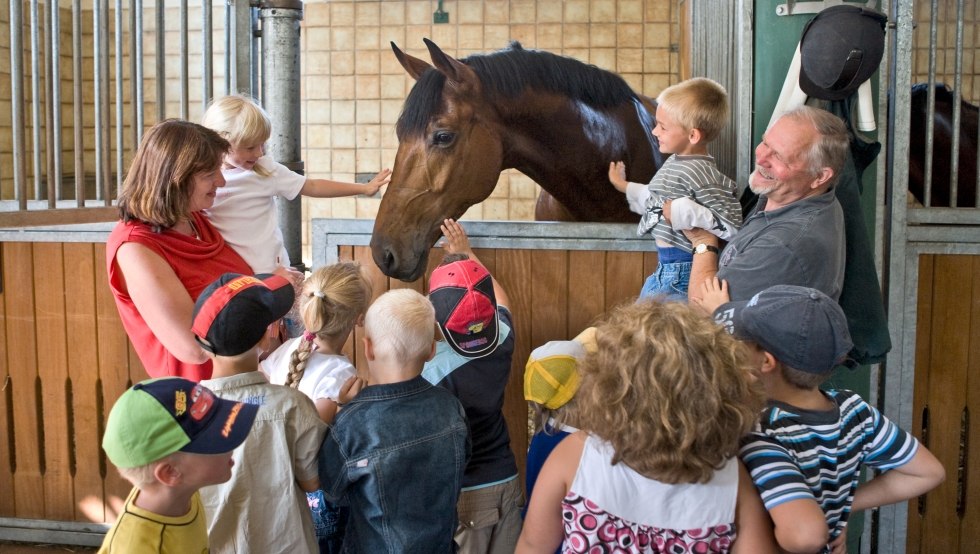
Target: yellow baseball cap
{"x": 551, "y": 375}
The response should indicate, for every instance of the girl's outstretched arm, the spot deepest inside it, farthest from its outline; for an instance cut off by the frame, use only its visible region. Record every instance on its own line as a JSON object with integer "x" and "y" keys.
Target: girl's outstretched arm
{"x": 325, "y": 188}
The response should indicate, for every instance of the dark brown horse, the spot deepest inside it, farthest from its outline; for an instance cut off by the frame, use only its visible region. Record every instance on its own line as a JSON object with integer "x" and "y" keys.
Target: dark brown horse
{"x": 942, "y": 150}
{"x": 555, "y": 119}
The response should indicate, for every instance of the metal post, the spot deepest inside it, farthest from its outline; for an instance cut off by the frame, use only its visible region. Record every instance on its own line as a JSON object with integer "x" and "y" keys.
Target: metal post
{"x": 17, "y": 100}
{"x": 280, "y": 94}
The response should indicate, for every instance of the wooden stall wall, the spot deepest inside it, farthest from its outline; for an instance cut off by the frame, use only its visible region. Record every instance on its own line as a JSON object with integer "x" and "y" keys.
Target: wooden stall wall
{"x": 66, "y": 357}
{"x": 946, "y": 402}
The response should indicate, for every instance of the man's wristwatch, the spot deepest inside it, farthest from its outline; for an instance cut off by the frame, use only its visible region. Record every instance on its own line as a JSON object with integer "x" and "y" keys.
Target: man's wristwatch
{"x": 703, "y": 248}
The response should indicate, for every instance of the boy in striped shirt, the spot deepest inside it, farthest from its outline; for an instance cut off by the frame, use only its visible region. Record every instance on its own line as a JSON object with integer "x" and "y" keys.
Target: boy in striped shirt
{"x": 806, "y": 452}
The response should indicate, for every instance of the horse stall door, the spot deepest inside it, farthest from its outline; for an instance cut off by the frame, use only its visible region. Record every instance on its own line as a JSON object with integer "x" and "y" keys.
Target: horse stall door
{"x": 946, "y": 403}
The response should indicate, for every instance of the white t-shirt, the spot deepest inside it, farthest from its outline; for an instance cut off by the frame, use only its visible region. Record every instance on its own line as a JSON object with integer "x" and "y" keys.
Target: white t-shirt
{"x": 244, "y": 211}
{"x": 324, "y": 375}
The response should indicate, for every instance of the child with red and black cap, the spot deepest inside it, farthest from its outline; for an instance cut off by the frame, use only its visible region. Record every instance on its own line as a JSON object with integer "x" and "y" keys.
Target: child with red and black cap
{"x": 474, "y": 363}
{"x": 169, "y": 437}
{"x": 262, "y": 508}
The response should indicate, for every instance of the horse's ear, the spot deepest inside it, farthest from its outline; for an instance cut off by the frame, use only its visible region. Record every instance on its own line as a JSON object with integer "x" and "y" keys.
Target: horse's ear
{"x": 456, "y": 71}
{"x": 414, "y": 66}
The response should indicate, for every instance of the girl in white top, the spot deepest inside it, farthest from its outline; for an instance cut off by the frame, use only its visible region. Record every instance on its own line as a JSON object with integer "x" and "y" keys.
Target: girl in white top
{"x": 663, "y": 402}
{"x": 244, "y": 210}
{"x": 333, "y": 300}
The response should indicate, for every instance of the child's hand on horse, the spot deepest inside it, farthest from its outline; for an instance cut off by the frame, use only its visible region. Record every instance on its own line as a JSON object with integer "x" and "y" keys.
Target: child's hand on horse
{"x": 617, "y": 176}
{"x": 456, "y": 240}
{"x": 374, "y": 185}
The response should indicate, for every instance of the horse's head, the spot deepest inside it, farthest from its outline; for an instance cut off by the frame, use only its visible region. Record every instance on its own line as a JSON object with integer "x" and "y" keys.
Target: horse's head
{"x": 449, "y": 158}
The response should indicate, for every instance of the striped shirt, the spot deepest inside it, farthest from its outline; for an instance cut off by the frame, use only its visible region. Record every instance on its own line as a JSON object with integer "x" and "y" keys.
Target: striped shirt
{"x": 716, "y": 208}
{"x": 795, "y": 454}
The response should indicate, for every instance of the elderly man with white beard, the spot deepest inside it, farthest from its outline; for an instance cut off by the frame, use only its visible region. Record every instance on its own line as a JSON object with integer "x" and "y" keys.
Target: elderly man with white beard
{"x": 795, "y": 234}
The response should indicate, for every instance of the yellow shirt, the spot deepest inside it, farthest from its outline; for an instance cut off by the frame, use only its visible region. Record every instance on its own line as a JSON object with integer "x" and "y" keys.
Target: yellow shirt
{"x": 138, "y": 530}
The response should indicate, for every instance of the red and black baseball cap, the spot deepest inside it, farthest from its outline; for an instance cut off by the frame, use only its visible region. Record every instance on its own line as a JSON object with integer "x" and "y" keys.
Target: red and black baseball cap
{"x": 232, "y": 314}
{"x": 466, "y": 308}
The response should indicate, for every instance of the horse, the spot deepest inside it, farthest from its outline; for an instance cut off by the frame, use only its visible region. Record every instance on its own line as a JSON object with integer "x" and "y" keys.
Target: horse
{"x": 555, "y": 119}
{"x": 942, "y": 150}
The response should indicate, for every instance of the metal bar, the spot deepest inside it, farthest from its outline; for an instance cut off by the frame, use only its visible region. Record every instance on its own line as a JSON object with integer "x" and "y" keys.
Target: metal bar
{"x": 184, "y": 94}
{"x": 898, "y": 282}
{"x": 208, "y": 54}
{"x": 931, "y": 104}
{"x": 101, "y": 57}
{"x": 136, "y": 67}
{"x": 743, "y": 119}
{"x": 36, "y": 95}
{"x": 48, "y": 84}
{"x": 120, "y": 86}
{"x": 17, "y": 99}
{"x": 54, "y": 77}
{"x": 160, "y": 59}
{"x": 77, "y": 120}
{"x": 254, "y": 65}
{"x": 954, "y": 166}
{"x": 229, "y": 32}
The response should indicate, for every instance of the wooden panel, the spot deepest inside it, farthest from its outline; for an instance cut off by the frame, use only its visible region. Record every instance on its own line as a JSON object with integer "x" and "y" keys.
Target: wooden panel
{"x": 970, "y": 530}
{"x": 549, "y": 297}
{"x": 946, "y": 394}
{"x": 379, "y": 284}
{"x": 626, "y": 270}
{"x": 113, "y": 352}
{"x": 515, "y": 272}
{"x": 83, "y": 363}
{"x": 28, "y": 486}
{"x": 921, "y": 388}
{"x": 49, "y": 294}
{"x": 6, "y": 400}
{"x": 586, "y": 289}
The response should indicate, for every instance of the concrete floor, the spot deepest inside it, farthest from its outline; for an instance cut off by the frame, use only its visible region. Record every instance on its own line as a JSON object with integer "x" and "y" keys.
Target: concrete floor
{"x": 21, "y": 548}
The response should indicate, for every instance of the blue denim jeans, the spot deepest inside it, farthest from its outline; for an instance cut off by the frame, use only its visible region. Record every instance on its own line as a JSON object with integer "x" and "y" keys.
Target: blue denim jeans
{"x": 329, "y": 521}
{"x": 671, "y": 278}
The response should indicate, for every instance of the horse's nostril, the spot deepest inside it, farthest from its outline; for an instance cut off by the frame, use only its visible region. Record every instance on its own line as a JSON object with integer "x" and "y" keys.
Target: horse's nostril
{"x": 389, "y": 260}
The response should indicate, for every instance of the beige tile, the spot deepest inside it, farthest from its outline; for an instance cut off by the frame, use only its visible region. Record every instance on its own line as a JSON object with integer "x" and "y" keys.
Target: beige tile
{"x": 342, "y": 87}
{"x": 522, "y": 11}
{"x": 474, "y": 213}
{"x": 634, "y": 80}
{"x": 495, "y": 209}
{"x": 656, "y": 60}
{"x": 394, "y": 86}
{"x": 521, "y": 210}
{"x": 368, "y": 63}
{"x": 367, "y": 208}
{"x": 367, "y": 13}
{"x": 577, "y": 11}
{"x": 660, "y": 10}
{"x": 653, "y": 84}
{"x": 496, "y": 36}
{"x": 629, "y": 11}
{"x": 316, "y": 208}
{"x": 343, "y": 208}
{"x": 367, "y": 38}
{"x": 445, "y": 36}
{"x": 550, "y": 12}
{"x": 603, "y": 57}
{"x": 390, "y": 110}
{"x": 342, "y": 63}
{"x": 369, "y": 112}
{"x": 314, "y": 14}
{"x": 343, "y": 111}
{"x": 502, "y": 190}
{"x": 342, "y": 161}
{"x": 522, "y": 187}
{"x": 602, "y": 35}
{"x": 393, "y": 13}
{"x": 496, "y": 12}
{"x": 341, "y": 13}
{"x": 525, "y": 34}
{"x": 317, "y": 39}
{"x": 342, "y": 136}
{"x": 368, "y": 160}
{"x": 318, "y": 160}
{"x": 471, "y": 37}
{"x": 629, "y": 60}
{"x": 368, "y": 86}
{"x": 629, "y": 35}
{"x": 418, "y": 12}
{"x": 549, "y": 36}
{"x": 317, "y": 111}
{"x": 575, "y": 35}
{"x": 342, "y": 39}
{"x": 656, "y": 35}
{"x": 468, "y": 12}
{"x": 602, "y": 12}
{"x": 580, "y": 54}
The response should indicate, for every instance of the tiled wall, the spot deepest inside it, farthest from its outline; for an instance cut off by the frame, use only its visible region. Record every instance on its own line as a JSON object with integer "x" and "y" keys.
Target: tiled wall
{"x": 353, "y": 87}
{"x": 946, "y": 24}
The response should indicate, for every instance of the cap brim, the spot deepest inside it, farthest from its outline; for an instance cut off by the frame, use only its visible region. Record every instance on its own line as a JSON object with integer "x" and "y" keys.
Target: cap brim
{"x": 472, "y": 345}
{"x": 227, "y": 430}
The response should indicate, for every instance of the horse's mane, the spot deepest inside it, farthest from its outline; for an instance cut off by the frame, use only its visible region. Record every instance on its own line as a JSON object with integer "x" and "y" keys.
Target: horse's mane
{"x": 508, "y": 73}
{"x": 944, "y": 95}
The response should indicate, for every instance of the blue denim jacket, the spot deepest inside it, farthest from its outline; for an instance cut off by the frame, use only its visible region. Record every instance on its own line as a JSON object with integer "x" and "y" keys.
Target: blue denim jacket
{"x": 396, "y": 454}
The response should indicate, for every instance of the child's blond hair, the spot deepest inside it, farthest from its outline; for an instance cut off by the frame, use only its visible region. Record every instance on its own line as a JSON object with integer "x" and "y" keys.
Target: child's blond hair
{"x": 334, "y": 297}
{"x": 670, "y": 390}
{"x": 240, "y": 120}
{"x": 697, "y": 103}
{"x": 401, "y": 324}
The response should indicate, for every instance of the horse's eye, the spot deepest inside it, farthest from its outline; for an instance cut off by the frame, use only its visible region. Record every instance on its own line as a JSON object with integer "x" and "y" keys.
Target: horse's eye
{"x": 442, "y": 138}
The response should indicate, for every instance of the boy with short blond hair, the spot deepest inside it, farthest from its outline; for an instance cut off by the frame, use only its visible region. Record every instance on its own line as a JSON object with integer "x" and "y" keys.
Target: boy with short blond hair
{"x": 806, "y": 452}
{"x": 688, "y": 191}
{"x": 262, "y": 508}
{"x": 397, "y": 451}
{"x": 169, "y": 437}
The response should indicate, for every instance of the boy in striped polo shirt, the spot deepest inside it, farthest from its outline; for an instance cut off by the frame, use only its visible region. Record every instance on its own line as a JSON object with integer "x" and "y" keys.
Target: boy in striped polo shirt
{"x": 806, "y": 452}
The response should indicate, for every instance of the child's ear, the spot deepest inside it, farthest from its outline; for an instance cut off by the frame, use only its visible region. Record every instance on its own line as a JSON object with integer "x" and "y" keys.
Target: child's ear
{"x": 167, "y": 473}
{"x": 695, "y": 136}
{"x": 368, "y": 349}
{"x": 769, "y": 363}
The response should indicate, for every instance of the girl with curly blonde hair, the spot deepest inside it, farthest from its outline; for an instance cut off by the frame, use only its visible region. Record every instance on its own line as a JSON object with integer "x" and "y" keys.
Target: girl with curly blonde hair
{"x": 665, "y": 398}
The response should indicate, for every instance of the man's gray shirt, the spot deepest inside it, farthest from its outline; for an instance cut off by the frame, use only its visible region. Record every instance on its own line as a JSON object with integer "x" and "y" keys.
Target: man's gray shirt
{"x": 799, "y": 244}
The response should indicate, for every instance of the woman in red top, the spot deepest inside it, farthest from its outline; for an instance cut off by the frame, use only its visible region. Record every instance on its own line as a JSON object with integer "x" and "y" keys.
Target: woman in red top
{"x": 164, "y": 251}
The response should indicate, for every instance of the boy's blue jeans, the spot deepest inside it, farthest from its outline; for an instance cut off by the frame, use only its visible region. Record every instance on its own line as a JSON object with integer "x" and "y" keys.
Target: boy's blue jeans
{"x": 671, "y": 278}
{"x": 329, "y": 522}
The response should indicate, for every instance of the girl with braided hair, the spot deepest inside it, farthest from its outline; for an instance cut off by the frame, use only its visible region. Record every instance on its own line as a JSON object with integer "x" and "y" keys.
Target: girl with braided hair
{"x": 334, "y": 299}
